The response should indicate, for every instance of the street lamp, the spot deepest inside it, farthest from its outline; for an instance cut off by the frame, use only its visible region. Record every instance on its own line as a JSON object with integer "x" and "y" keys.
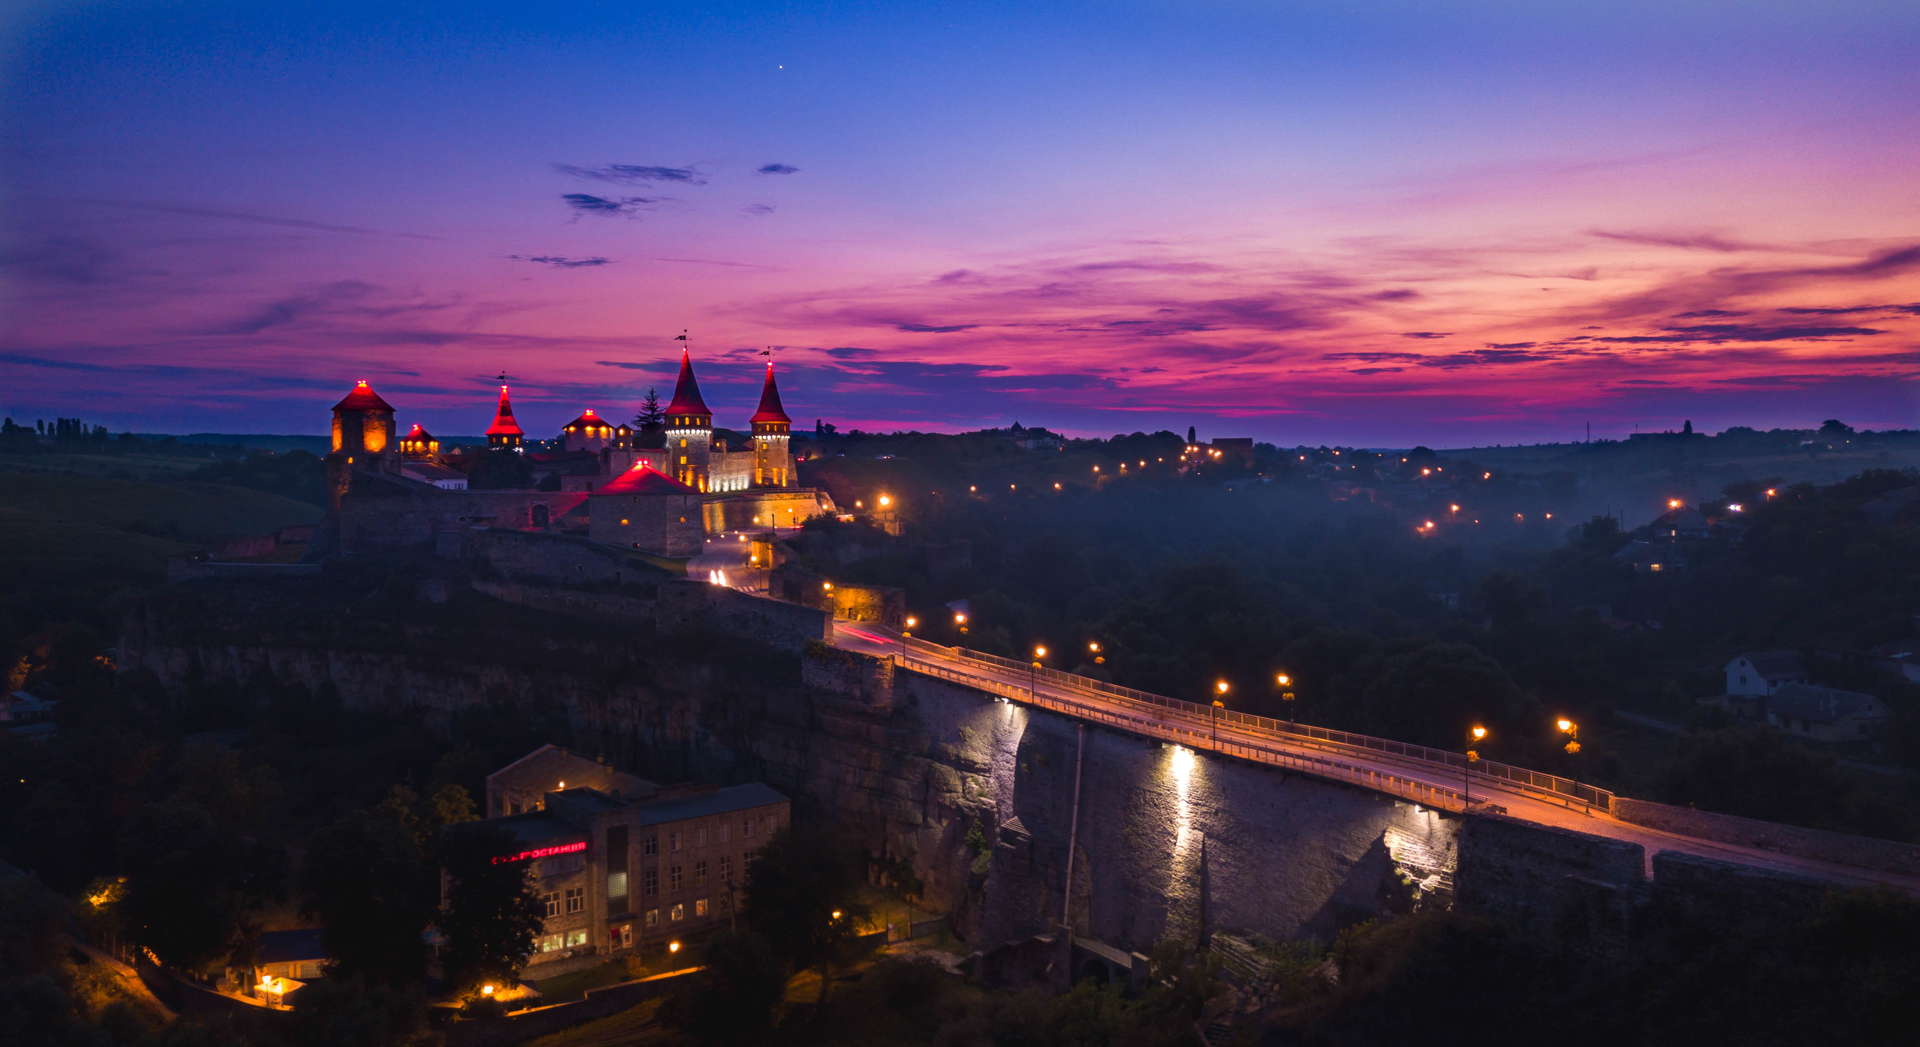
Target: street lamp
{"x": 906, "y": 633}
{"x": 1284, "y": 681}
{"x": 1033, "y": 678}
{"x": 960, "y": 622}
{"x": 1220, "y": 688}
{"x": 1572, "y": 731}
{"x": 1475, "y": 735}
{"x": 1093, "y": 648}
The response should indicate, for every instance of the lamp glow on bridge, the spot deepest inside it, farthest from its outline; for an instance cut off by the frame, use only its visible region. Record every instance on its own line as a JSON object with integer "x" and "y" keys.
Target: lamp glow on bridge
{"x": 1475, "y": 735}
{"x": 1093, "y": 648}
{"x": 960, "y": 621}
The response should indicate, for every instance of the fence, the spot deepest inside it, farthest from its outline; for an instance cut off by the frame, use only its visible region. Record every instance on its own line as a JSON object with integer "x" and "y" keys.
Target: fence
{"x": 1549, "y": 786}
{"x": 1155, "y": 727}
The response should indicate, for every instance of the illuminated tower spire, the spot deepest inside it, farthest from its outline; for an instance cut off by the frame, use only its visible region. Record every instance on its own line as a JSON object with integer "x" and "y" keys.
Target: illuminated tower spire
{"x": 772, "y": 453}
{"x": 689, "y": 426}
{"x": 504, "y": 433}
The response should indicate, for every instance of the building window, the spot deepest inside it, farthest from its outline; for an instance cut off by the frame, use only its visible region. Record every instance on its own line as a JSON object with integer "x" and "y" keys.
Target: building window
{"x": 726, "y": 868}
{"x": 673, "y": 842}
{"x": 677, "y": 913}
{"x": 578, "y": 937}
{"x": 650, "y": 882}
{"x": 725, "y": 829}
{"x": 551, "y": 942}
{"x": 576, "y": 899}
{"x": 700, "y": 836}
{"x": 699, "y": 906}
{"x": 650, "y": 845}
{"x": 746, "y": 828}
{"x": 652, "y": 919}
{"x": 552, "y": 898}
{"x": 616, "y": 885}
{"x": 700, "y": 873}
{"x": 673, "y": 878}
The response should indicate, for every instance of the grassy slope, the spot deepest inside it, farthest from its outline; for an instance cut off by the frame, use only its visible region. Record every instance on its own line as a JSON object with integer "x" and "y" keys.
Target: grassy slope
{"x": 187, "y": 511}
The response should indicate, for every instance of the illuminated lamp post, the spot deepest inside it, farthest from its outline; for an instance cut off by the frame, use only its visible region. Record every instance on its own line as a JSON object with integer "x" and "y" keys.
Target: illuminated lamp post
{"x": 906, "y": 633}
{"x": 1093, "y": 648}
{"x": 1033, "y": 675}
{"x": 1284, "y": 681}
{"x": 1220, "y": 689}
{"x": 1475, "y": 735}
{"x": 960, "y": 622}
{"x": 1572, "y": 731}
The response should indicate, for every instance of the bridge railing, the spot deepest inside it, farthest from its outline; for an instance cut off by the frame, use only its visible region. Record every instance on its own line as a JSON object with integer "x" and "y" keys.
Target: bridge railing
{"x": 1438, "y": 796}
{"x": 1550, "y": 785}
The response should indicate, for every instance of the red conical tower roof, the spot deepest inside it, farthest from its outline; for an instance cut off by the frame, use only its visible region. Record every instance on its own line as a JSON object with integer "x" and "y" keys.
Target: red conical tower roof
{"x": 503, "y": 423}
{"x": 363, "y": 398}
{"x": 770, "y": 409}
{"x": 686, "y": 392}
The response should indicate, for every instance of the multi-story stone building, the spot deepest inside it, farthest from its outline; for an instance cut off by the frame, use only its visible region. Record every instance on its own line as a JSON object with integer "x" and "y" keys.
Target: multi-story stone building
{"x": 622, "y": 864}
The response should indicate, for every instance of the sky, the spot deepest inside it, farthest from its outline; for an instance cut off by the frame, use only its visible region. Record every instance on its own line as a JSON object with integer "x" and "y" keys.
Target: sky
{"x": 1376, "y": 223}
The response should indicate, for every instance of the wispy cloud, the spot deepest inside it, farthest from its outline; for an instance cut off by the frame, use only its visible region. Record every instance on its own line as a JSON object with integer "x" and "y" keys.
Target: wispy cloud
{"x": 634, "y": 174}
{"x": 562, "y": 262}
{"x": 757, "y": 210}
{"x": 778, "y": 169}
{"x": 615, "y": 207}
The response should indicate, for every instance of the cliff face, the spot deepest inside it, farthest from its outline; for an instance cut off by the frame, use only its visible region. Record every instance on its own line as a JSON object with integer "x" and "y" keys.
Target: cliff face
{"x": 977, "y": 794}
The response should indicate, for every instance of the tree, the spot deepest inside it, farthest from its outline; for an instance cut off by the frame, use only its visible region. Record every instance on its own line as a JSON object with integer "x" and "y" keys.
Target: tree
{"x": 492, "y": 911}
{"x": 1835, "y": 427}
{"x": 368, "y": 880}
{"x": 803, "y": 896}
{"x": 188, "y": 882}
{"x": 652, "y": 416}
{"x": 735, "y": 1002}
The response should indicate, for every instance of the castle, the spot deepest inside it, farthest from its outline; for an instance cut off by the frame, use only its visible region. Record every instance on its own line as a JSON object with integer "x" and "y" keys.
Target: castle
{"x": 662, "y": 489}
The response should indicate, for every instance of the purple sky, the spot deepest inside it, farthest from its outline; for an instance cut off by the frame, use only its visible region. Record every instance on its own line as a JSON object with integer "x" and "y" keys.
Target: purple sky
{"x": 1390, "y": 223}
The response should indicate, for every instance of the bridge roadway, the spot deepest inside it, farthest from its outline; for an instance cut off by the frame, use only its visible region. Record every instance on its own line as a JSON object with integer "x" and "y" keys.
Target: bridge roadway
{"x": 1405, "y": 776}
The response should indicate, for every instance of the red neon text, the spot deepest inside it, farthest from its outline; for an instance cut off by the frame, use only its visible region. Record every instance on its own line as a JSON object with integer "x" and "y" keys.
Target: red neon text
{"x": 542, "y": 852}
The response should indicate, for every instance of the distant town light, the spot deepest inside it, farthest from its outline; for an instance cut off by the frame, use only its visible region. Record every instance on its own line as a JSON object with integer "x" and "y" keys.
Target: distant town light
{"x": 487, "y": 989}
{"x": 1674, "y": 503}
{"x": 1453, "y": 508}
{"x": 886, "y": 500}
{"x": 1736, "y": 507}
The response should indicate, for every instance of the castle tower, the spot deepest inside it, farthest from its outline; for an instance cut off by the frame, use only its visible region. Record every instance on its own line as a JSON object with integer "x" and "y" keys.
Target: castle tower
{"x": 772, "y": 450}
{"x": 362, "y": 435}
{"x": 689, "y": 429}
{"x": 505, "y": 433}
{"x": 589, "y": 432}
{"x": 419, "y": 443}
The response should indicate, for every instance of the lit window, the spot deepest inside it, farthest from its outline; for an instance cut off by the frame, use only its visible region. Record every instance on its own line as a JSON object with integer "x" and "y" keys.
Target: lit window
{"x": 616, "y": 885}
{"x": 578, "y": 937}
{"x": 677, "y": 913}
{"x": 652, "y": 919}
{"x": 699, "y": 906}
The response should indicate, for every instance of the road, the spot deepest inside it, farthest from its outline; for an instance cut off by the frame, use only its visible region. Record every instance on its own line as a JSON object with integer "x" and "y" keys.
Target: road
{"x": 1403, "y": 776}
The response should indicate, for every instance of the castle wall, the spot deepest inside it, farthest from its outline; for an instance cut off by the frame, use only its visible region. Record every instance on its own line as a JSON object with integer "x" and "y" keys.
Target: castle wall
{"x": 759, "y": 509}
{"x": 661, "y": 524}
{"x": 410, "y": 518}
